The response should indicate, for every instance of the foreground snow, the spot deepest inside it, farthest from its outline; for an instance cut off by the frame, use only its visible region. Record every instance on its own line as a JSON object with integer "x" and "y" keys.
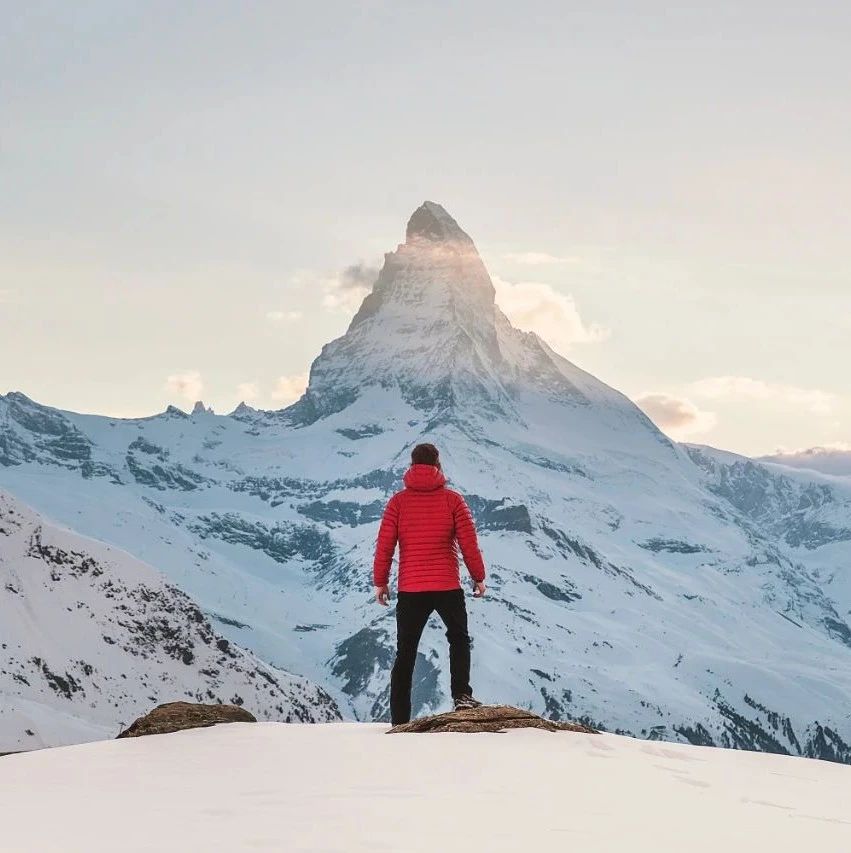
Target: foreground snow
{"x": 348, "y": 787}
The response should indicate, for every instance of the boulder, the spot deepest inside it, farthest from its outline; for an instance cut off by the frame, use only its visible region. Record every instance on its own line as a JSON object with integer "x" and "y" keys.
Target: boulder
{"x": 176, "y": 716}
{"x": 487, "y": 718}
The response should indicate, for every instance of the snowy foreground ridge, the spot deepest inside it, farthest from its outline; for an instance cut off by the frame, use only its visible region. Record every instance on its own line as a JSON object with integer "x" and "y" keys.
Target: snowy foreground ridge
{"x": 348, "y": 787}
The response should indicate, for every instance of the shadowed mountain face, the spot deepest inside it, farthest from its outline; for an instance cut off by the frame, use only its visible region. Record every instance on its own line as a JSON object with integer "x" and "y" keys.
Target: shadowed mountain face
{"x": 93, "y": 638}
{"x": 636, "y": 584}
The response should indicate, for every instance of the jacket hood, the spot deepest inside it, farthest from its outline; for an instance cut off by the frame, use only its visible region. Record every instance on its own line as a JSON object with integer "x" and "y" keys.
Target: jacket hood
{"x": 424, "y": 478}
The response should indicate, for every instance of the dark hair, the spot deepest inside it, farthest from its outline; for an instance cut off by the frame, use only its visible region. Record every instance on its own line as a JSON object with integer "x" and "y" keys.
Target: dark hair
{"x": 425, "y": 454}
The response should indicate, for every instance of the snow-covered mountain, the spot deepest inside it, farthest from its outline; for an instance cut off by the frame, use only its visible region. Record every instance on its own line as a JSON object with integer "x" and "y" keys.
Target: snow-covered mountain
{"x": 664, "y": 590}
{"x": 92, "y": 639}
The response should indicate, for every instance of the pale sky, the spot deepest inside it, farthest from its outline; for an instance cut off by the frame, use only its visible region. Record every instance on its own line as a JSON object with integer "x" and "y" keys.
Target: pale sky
{"x": 661, "y": 190}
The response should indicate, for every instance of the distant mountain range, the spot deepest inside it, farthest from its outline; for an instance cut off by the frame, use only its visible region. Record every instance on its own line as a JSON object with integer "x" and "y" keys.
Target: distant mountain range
{"x": 664, "y": 590}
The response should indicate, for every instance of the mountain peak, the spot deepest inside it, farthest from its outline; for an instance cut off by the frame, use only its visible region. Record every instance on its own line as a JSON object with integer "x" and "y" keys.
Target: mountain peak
{"x": 244, "y": 412}
{"x": 430, "y": 327}
{"x": 200, "y": 409}
{"x": 430, "y": 221}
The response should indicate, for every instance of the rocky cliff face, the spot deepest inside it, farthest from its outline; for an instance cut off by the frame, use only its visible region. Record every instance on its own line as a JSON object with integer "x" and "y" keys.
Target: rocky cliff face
{"x": 93, "y": 638}
{"x": 636, "y": 584}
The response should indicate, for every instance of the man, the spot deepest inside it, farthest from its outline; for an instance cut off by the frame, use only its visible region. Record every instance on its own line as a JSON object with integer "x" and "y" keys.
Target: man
{"x": 429, "y": 522}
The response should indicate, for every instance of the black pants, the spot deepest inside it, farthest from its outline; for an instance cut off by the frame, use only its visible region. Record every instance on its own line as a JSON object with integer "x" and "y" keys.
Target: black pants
{"x": 412, "y": 612}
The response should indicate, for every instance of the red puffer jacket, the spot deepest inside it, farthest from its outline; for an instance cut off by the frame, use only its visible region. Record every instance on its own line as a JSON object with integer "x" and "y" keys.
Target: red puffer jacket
{"x": 429, "y": 522}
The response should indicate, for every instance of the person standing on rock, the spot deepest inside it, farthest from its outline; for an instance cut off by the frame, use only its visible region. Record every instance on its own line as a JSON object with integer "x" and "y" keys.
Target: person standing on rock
{"x": 429, "y": 522}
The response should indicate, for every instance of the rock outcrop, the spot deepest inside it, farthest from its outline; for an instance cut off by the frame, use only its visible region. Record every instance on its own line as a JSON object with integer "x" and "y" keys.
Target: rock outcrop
{"x": 487, "y": 718}
{"x": 177, "y": 716}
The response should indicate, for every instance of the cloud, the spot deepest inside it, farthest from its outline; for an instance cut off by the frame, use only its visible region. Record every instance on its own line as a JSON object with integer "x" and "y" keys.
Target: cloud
{"x": 832, "y": 458}
{"x": 247, "y": 391}
{"x": 358, "y": 276}
{"x": 677, "y": 416}
{"x": 188, "y": 385}
{"x": 347, "y": 290}
{"x": 289, "y": 388}
{"x": 536, "y": 259}
{"x": 7, "y": 295}
{"x": 821, "y": 449}
{"x": 816, "y": 401}
{"x": 283, "y": 316}
{"x": 540, "y": 308}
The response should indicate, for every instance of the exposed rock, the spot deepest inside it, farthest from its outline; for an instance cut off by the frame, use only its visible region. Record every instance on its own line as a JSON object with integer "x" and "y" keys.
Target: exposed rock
{"x": 200, "y": 409}
{"x": 281, "y": 542}
{"x": 137, "y": 642}
{"x": 176, "y": 716}
{"x": 431, "y": 222}
{"x": 244, "y": 412}
{"x": 336, "y": 512}
{"x": 487, "y": 718}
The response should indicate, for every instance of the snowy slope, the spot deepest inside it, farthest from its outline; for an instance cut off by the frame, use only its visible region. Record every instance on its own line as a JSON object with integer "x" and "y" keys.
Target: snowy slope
{"x": 351, "y": 788}
{"x": 674, "y": 592}
{"x": 92, "y": 639}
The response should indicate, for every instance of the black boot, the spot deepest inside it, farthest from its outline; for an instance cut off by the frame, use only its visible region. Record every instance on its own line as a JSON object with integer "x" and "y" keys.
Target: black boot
{"x": 465, "y": 702}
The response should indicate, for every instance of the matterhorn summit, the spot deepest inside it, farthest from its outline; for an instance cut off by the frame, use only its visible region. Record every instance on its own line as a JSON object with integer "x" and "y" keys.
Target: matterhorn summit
{"x": 669, "y": 591}
{"x": 431, "y": 222}
{"x": 427, "y": 330}
{"x": 430, "y": 331}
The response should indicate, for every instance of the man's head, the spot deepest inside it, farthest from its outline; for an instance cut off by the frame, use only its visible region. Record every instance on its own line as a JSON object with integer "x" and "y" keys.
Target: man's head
{"x": 425, "y": 454}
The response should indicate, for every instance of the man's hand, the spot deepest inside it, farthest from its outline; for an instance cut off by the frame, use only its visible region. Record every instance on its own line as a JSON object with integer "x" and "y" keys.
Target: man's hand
{"x": 479, "y": 589}
{"x": 382, "y": 595}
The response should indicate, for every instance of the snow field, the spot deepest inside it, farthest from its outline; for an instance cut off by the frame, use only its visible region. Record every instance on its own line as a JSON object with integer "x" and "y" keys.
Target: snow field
{"x": 348, "y": 787}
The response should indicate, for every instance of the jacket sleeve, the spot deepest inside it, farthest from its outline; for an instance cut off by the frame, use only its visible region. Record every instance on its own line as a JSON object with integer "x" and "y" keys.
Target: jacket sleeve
{"x": 388, "y": 536}
{"x": 465, "y": 533}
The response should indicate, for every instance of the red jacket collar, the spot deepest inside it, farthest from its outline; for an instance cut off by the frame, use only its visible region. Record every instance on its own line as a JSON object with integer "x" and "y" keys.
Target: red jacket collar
{"x": 424, "y": 478}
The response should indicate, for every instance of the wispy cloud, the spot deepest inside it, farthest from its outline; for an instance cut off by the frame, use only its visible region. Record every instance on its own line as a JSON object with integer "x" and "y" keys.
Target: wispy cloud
{"x": 540, "y": 308}
{"x": 831, "y": 458}
{"x": 248, "y": 391}
{"x": 677, "y": 416}
{"x": 828, "y": 447}
{"x": 289, "y": 388}
{"x": 188, "y": 384}
{"x": 345, "y": 291}
{"x": 283, "y": 316}
{"x": 537, "y": 259}
{"x": 815, "y": 400}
